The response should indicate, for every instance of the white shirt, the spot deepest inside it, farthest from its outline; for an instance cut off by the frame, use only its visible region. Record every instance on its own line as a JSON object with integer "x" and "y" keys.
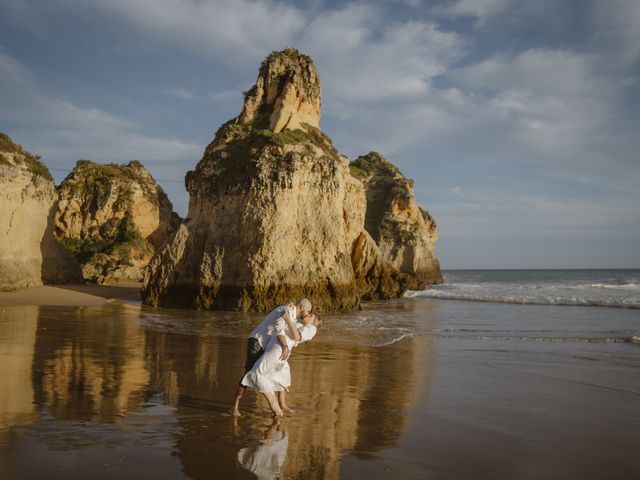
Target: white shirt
{"x": 273, "y": 324}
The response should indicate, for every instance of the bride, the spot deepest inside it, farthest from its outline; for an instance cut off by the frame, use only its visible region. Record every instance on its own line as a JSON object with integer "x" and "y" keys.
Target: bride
{"x": 270, "y": 373}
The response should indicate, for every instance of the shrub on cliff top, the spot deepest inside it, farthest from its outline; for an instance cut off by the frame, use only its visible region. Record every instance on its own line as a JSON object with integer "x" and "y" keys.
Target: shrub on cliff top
{"x": 33, "y": 162}
{"x": 372, "y": 164}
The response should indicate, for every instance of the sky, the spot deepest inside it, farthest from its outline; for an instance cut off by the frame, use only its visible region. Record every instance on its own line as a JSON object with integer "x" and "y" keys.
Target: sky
{"x": 518, "y": 121}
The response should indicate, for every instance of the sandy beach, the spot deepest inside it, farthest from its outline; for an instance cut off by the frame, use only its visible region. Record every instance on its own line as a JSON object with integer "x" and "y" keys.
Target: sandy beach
{"x": 71, "y": 295}
{"x": 411, "y": 388}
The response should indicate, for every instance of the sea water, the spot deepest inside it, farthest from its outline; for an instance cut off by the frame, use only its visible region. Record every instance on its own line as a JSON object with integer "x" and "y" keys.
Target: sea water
{"x": 600, "y": 288}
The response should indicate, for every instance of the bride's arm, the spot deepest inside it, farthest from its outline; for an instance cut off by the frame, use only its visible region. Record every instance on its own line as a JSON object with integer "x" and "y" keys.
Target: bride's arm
{"x": 295, "y": 333}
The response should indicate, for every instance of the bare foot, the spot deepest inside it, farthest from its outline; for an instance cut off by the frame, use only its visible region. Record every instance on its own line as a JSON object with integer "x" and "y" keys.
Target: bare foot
{"x": 235, "y": 412}
{"x": 278, "y": 413}
{"x": 288, "y": 410}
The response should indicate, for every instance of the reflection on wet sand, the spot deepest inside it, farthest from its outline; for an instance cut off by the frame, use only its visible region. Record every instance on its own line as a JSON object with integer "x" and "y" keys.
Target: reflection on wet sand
{"x": 17, "y": 338}
{"x": 90, "y": 364}
{"x": 348, "y": 397}
{"x": 103, "y": 365}
{"x": 265, "y": 459}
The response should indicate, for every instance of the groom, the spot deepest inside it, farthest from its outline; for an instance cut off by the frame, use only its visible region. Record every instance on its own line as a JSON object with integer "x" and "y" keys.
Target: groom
{"x": 258, "y": 338}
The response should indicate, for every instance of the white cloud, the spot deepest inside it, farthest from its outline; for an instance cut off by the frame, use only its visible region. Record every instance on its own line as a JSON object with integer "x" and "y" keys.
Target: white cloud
{"x": 557, "y": 104}
{"x": 364, "y": 58}
{"x": 561, "y": 71}
{"x": 63, "y": 132}
{"x": 617, "y": 30}
{"x": 210, "y": 27}
{"x": 180, "y": 93}
{"x": 227, "y": 95}
{"x": 481, "y": 10}
{"x": 521, "y": 230}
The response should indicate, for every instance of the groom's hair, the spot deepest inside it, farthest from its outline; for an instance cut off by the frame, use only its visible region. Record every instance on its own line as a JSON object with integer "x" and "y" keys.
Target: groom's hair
{"x": 305, "y": 305}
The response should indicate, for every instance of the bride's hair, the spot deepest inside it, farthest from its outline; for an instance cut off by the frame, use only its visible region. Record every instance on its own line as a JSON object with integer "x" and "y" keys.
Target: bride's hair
{"x": 316, "y": 320}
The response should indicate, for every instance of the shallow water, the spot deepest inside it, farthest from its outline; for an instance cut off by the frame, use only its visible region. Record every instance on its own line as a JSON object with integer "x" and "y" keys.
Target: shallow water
{"x": 413, "y": 388}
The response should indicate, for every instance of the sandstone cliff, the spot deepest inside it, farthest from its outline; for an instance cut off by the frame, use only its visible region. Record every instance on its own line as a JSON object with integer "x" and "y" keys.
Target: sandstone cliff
{"x": 404, "y": 233}
{"x": 29, "y": 253}
{"x": 274, "y": 211}
{"x": 112, "y": 218}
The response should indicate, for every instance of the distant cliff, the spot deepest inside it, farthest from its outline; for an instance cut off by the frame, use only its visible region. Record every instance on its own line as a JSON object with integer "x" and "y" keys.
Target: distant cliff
{"x": 276, "y": 213}
{"x": 112, "y": 218}
{"x": 29, "y": 253}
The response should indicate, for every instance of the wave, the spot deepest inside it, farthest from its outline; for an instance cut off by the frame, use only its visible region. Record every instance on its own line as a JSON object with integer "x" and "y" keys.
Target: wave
{"x": 620, "y": 286}
{"x": 562, "y": 295}
{"x": 634, "y": 340}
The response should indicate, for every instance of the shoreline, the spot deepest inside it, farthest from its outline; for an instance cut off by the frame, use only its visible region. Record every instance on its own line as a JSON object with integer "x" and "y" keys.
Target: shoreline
{"x": 87, "y": 295}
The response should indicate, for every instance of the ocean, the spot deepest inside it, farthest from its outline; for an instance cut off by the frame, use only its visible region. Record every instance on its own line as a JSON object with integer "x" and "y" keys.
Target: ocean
{"x": 494, "y": 374}
{"x": 597, "y": 288}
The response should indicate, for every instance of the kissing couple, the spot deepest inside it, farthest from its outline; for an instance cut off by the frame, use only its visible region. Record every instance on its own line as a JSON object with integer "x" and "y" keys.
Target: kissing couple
{"x": 268, "y": 348}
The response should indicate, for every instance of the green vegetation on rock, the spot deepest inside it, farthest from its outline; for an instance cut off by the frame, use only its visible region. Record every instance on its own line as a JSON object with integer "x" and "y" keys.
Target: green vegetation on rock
{"x": 236, "y": 163}
{"x": 100, "y": 178}
{"x": 384, "y": 182}
{"x": 300, "y": 65}
{"x": 32, "y": 161}
{"x": 110, "y": 237}
{"x": 372, "y": 164}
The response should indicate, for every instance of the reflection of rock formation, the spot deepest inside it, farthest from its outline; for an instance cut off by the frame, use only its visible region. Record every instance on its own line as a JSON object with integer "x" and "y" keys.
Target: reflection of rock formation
{"x": 198, "y": 374}
{"x": 90, "y": 366}
{"x": 367, "y": 393}
{"x": 101, "y": 364}
{"x": 17, "y": 338}
{"x": 350, "y": 397}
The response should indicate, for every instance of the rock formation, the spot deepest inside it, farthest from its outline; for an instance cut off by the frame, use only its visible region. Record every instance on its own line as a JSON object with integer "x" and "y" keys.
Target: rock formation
{"x": 274, "y": 211}
{"x": 113, "y": 218}
{"x": 29, "y": 253}
{"x": 404, "y": 233}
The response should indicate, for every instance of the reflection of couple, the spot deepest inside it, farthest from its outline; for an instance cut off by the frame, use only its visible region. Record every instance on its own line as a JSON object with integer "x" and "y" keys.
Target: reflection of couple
{"x": 268, "y": 348}
{"x": 265, "y": 459}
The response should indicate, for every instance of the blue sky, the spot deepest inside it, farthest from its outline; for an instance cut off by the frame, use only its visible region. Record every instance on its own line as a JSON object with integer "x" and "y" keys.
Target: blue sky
{"x": 519, "y": 121}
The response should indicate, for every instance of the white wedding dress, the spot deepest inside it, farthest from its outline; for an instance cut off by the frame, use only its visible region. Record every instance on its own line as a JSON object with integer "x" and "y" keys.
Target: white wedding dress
{"x": 269, "y": 373}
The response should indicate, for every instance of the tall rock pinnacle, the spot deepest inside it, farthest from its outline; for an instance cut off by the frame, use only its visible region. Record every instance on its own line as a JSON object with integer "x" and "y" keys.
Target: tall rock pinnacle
{"x": 286, "y": 94}
{"x": 276, "y": 213}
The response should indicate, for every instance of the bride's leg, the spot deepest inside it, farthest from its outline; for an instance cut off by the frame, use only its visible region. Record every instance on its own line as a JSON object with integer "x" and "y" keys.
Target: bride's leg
{"x": 273, "y": 403}
{"x": 283, "y": 403}
{"x": 235, "y": 411}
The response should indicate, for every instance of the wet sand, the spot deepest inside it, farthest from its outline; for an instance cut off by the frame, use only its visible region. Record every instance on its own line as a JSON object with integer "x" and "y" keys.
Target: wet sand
{"x": 400, "y": 390}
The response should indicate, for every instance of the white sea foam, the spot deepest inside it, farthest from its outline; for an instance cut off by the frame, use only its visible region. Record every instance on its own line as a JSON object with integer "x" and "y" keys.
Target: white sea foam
{"x": 572, "y": 294}
{"x": 395, "y": 340}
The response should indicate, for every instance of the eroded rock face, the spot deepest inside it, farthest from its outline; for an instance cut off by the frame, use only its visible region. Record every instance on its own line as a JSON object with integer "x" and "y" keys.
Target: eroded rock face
{"x": 29, "y": 253}
{"x": 274, "y": 211}
{"x": 113, "y": 217}
{"x": 404, "y": 233}
{"x": 286, "y": 94}
{"x": 264, "y": 227}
